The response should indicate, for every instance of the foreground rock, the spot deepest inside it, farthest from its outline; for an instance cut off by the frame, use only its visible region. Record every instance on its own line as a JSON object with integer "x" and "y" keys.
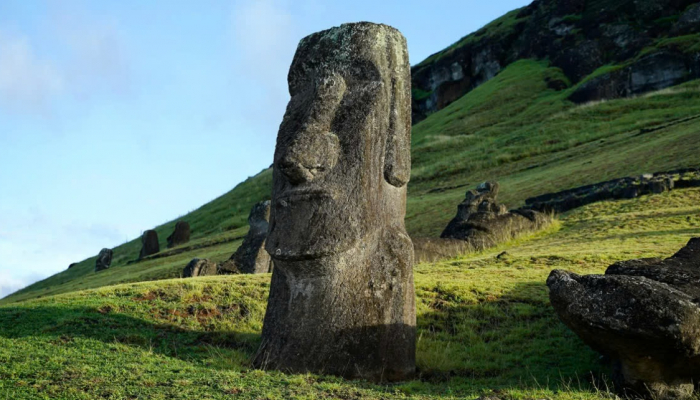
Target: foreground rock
{"x": 180, "y": 235}
{"x": 342, "y": 299}
{"x": 104, "y": 260}
{"x": 149, "y": 244}
{"x": 199, "y": 267}
{"x": 623, "y": 188}
{"x": 644, "y": 315}
{"x": 483, "y": 222}
{"x": 251, "y": 257}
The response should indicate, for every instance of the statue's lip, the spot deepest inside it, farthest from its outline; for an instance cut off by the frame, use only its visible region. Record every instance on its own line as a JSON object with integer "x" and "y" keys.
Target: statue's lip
{"x": 303, "y": 194}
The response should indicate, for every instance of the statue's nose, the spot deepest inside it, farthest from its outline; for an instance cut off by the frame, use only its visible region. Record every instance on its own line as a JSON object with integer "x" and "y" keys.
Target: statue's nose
{"x": 310, "y": 156}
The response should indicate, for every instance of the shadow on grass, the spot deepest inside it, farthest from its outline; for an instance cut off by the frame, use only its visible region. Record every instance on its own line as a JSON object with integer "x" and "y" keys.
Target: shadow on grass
{"x": 510, "y": 342}
{"x": 64, "y": 324}
{"x": 513, "y": 341}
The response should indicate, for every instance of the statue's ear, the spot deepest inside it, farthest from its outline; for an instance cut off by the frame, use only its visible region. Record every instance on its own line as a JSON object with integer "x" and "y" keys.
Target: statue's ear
{"x": 397, "y": 158}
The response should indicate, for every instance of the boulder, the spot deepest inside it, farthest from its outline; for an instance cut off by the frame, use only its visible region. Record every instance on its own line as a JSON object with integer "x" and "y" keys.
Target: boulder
{"x": 251, "y": 257}
{"x": 483, "y": 222}
{"x": 689, "y": 22}
{"x": 644, "y": 315}
{"x": 342, "y": 299}
{"x": 199, "y": 267}
{"x": 104, "y": 260}
{"x": 149, "y": 243}
{"x": 180, "y": 235}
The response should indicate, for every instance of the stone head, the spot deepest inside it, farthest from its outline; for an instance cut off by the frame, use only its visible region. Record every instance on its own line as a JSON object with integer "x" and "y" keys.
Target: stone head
{"x": 342, "y": 159}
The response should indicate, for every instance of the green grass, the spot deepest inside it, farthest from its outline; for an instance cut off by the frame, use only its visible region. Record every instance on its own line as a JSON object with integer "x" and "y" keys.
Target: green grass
{"x": 496, "y": 30}
{"x": 484, "y": 324}
{"x": 688, "y": 44}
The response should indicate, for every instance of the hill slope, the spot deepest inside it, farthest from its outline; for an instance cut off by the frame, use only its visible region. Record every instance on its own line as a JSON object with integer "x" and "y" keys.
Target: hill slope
{"x": 483, "y": 324}
{"x": 629, "y": 46}
{"x": 516, "y": 127}
{"x": 512, "y": 129}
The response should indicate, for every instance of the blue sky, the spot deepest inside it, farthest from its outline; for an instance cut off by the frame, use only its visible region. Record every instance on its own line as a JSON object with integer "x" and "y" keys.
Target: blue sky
{"x": 117, "y": 116}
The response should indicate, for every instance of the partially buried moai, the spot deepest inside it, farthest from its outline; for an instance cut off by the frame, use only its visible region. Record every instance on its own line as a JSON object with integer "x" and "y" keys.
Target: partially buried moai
{"x": 342, "y": 299}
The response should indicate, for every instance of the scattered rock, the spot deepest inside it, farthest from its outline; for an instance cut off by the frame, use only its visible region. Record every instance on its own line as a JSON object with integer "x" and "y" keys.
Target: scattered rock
{"x": 199, "y": 267}
{"x": 483, "y": 222}
{"x": 342, "y": 299}
{"x": 251, "y": 257}
{"x": 180, "y": 235}
{"x": 104, "y": 260}
{"x": 149, "y": 243}
{"x": 623, "y": 188}
{"x": 644, "y": 315}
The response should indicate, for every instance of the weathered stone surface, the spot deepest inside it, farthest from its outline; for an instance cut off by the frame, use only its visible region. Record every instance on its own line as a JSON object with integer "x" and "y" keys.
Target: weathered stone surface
{"x": 623, "y": 188}
{"x": 104, "y": 260}
{"x": 644, "y": 315}
{"x": 180, "y": 235}
{"x": 199, "y": 267}
{"x": 483, "y": 222}
{"x": 251, "y": 257}
{"x": 342, "y": 299}
{"x": 689, "y": 22}
{"x": 652, "y": 72}
{"x": 149, "y": 243}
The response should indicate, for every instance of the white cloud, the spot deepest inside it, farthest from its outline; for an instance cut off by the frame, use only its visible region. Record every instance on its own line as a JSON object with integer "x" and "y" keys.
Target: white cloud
{"x": 98, "y": 56}
{"x": 34, "y": 246}
{"x": 265, "y": 34}
{"x": 9, "y": 285}
{"x": 265, "y": 38}
{"x": 80, "y": 55}
{"x": 26, "y": 81}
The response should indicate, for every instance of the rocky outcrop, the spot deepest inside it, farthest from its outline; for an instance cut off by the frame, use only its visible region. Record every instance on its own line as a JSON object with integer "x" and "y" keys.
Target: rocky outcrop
{"x": 199, "y": 267}
{"x": 251, "y": 257}
{"x": 149, "y": 243}
{"x": 104, "y": 260}
{"x": 652, "y": 72}
{"x": 623, "y": 188}
{"x": 689, "y": 22}
{"x": 644, "y": 315}
{"x": 578, "y": 36}
{"x": 180, "y": 235}
{"x": 483, "y": 222}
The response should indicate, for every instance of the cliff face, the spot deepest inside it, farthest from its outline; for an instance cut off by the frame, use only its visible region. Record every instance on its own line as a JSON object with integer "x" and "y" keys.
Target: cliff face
{"x": 606, "y": 48}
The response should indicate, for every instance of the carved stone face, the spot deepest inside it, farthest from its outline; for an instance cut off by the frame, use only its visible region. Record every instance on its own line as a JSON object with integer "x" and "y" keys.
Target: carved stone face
{"x": 342, "y": 158}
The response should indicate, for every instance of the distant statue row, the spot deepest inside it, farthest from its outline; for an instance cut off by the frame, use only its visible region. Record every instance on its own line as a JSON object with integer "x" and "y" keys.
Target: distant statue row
{"x": 149, "y": 245}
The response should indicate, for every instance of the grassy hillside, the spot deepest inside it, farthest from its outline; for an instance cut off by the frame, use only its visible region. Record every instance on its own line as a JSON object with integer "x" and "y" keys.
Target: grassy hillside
{"x": 512, "y": 129}
{"x": 485, "y": 324}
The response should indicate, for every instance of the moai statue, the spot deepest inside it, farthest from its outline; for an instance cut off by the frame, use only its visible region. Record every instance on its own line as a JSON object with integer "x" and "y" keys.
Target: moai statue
{"x": 251, "y": 257}
{"x": 149, "y": 243}
{"x": 342, "y": 298}
{"x": 104, "y": 260}
{"x": 180, "y": 235}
